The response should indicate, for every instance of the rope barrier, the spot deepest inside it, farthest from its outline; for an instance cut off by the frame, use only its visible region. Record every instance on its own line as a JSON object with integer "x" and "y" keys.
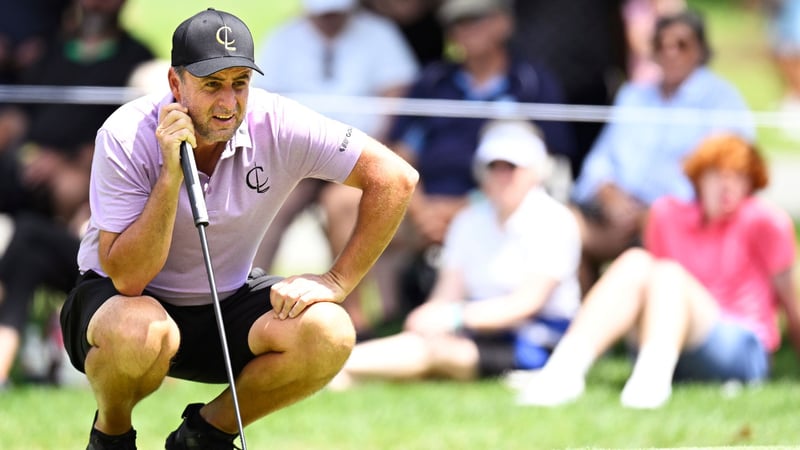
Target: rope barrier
{"x": 336, "y": 104}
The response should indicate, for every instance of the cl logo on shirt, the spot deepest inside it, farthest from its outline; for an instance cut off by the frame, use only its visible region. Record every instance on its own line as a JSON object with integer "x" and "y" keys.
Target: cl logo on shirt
{"x": 225, "y": 42}
{"x": 254, "y": 180}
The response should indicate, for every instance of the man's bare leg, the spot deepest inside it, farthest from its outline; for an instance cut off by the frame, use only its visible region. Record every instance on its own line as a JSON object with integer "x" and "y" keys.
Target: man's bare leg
{"x": 133, "y": 340}
{"x": 297, "y": 357}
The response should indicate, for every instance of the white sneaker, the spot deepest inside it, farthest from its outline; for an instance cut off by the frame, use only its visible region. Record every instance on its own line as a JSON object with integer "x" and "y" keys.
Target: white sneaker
{"x": 642, "y": 395}
{"x": 548, "y": 389}
{"x": 518, "y": 379}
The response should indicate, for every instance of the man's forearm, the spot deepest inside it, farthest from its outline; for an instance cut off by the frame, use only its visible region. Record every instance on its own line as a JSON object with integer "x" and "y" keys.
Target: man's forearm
{"x": 135, "y": 256}
{"x": 382, "y": 208}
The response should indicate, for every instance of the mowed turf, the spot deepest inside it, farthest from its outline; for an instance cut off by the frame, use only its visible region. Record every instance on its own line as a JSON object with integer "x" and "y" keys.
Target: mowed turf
{"x": 443, "y": 415}
{"x": 448, "y": 415}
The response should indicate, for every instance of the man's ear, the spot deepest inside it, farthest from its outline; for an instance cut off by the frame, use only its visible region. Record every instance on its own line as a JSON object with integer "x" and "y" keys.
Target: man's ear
{"x": 174, "y": 83}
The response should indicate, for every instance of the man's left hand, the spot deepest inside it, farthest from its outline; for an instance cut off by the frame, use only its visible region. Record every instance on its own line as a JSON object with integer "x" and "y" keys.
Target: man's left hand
{"x": 292, "y": 295}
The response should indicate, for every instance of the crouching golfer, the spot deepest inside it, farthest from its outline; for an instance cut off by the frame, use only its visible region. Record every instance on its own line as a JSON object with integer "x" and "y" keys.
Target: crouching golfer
{"x": 142, "y": 309}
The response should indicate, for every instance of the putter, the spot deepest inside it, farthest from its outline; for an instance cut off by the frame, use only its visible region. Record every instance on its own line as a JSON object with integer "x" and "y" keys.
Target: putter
{"x": 200, "y": 214}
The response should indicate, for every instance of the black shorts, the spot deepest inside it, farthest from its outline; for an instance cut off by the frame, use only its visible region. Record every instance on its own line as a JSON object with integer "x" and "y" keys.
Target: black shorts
{"x": 199, "y": 356}
{"x": 495, "y": 354}
{"x": 499, "y": 353}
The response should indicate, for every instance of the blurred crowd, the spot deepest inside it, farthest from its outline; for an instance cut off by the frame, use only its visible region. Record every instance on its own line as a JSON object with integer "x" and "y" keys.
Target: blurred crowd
{"x": 530, "y": 247}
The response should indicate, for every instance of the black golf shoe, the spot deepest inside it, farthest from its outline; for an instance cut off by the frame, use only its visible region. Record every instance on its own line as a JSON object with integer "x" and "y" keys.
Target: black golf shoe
{"x": 197, "y": 434}
{"x": 101, "y": 441}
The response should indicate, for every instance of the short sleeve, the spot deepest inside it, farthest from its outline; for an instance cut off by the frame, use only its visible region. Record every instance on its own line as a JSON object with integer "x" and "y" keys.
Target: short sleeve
{"x": 120, "y": 186}
{"x": 317, "y": 146}
{"x": 772, "y": 238}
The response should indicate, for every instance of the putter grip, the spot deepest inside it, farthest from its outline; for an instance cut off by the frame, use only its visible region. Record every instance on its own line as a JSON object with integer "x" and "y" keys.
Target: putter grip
{"x": 193, "y": 187}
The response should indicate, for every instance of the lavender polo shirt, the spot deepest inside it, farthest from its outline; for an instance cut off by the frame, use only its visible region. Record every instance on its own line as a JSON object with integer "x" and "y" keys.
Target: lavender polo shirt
{"x": 279, "y": 143}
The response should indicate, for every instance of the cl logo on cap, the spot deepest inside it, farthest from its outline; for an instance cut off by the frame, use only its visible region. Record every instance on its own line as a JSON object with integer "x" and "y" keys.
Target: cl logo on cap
{"x": 226, "y": 43}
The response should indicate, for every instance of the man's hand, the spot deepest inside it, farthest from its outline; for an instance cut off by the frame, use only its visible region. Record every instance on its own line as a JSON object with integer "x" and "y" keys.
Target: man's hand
{"x": 292, "y": 295}
{"x": 174, "y": 127}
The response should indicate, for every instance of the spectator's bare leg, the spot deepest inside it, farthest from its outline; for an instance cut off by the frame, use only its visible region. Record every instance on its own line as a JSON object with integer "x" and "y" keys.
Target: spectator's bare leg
{"x": 612, "y": 308}
{"x": 9, "y": 345}
{"x": 410, "y": 356}
{"x": 678, "y": 313}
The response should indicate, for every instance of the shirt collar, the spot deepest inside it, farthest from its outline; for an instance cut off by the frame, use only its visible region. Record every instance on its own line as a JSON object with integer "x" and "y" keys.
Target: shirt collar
{"x": 492, "y": 89}
{"x": 695, "y": 85}
{"x": 240, "y": 139}
{"x": 518, "y": 219}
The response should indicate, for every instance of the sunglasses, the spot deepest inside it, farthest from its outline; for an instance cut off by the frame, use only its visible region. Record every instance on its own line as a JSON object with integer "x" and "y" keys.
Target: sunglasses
{"x": 500, "y": 165}
{"x": 682, "y": 45}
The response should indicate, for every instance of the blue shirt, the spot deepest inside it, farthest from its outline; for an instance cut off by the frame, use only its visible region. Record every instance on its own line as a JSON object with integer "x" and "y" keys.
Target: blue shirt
{"x": 444, "y": 146}
{"x": 644, "y": 159}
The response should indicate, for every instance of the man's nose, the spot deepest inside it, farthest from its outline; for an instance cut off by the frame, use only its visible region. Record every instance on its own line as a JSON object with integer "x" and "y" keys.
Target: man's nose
{"x": 227, "y": 98}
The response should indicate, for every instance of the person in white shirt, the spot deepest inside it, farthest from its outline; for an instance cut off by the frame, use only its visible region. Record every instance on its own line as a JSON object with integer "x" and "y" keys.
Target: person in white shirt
{"x": 507, "y": 288}
{"x": 334, "y": 48}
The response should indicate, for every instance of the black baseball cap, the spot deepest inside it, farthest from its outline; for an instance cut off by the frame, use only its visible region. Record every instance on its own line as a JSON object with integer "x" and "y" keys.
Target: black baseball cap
{"x": 211, "y": 41}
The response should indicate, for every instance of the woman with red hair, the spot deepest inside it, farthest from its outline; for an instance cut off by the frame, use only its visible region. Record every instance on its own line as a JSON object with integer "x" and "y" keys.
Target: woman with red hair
{"x": 701, "y": 300}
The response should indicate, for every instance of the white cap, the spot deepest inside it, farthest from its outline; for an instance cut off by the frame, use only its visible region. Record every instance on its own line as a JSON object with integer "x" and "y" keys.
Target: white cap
{"x": 513, "y": 141}
{"x": 316, "y": 7}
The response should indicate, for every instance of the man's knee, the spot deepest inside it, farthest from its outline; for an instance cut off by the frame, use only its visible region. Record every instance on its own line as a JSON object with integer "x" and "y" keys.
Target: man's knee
{"x": 327, "y": 333}
{"x": 137, "y": 331}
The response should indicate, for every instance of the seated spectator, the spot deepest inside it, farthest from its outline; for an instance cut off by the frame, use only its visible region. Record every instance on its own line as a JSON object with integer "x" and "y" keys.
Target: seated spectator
{"x": 92, "y": 50}
{"x": 26, "y": 29}
{"x": 54, "y": 165}
{"x": 701, "y": 301}
{"x": 783, "y": 33}
{"x": 333, "y": 49}
{"x": 507, "y": 287}
{"x": 41, "y": 253}
{"x": 441, "y": 148}
{"x": 635, "y": 162}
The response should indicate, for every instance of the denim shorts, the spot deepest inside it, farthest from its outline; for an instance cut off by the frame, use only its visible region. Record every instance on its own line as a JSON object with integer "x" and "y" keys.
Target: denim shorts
{"x": 730, "y": 352}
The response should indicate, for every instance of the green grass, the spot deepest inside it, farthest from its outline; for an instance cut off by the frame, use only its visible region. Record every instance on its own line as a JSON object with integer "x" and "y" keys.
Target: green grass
{"x": 153, "y": 21}
{"x": 448, "y": 415}
{"x": 441, "y": 415}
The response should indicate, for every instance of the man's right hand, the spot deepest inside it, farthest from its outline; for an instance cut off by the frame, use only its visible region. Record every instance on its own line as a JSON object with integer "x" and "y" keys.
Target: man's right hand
{"x": 174, "y": 127}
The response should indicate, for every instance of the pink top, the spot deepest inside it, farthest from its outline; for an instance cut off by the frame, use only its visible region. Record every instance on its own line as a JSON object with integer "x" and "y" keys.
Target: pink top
{"x": 279, "y": 143}
{"x": 735, "y": 258}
